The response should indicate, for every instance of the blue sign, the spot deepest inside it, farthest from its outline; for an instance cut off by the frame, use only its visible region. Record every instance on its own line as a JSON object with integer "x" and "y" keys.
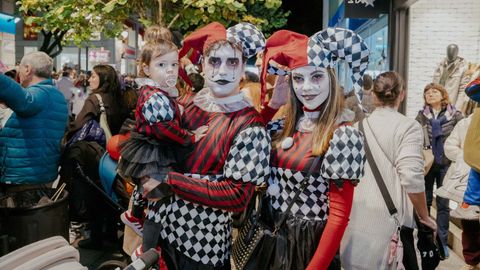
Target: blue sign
{"x": 7, "y": 24}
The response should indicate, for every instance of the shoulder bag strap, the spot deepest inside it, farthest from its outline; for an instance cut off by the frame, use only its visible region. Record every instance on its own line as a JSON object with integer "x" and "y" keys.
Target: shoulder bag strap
{"x": 376, "y": 174}
{"x": 303, "y": 185}
{"x": 100, "y": 101}
{"x": 103, "y": 118}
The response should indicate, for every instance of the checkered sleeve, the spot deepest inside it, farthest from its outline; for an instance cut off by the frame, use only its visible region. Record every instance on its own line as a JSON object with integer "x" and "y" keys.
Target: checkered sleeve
{"x": 159, "y": 113}
{"x": 247, "y": 165}
{"x": 249, "y": 157}
{"x": 345, "y": 157}
{"x": 275, "y": 126}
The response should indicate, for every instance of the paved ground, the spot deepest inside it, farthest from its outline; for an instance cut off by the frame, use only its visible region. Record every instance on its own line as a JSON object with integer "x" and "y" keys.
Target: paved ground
{"x": 452, "y": 263}
{"x": 92, "y": 258}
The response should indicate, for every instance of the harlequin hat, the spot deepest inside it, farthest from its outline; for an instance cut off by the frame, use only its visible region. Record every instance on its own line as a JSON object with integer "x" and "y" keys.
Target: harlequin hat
{"x": 248, "y": 35}
{"x": 292, "y": 50}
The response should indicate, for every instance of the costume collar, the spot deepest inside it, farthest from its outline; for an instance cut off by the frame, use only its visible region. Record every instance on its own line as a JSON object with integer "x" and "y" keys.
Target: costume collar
{"x": 173, "y": 92}
{"x": 205, "y": 100}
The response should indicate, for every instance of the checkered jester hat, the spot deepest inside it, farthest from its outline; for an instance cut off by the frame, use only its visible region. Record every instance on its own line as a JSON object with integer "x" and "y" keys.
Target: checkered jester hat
{"x": 292, "y": 50}
{"x": 248, "y": 35}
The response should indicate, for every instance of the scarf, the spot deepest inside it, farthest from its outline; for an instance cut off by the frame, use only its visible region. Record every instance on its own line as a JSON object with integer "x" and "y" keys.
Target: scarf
{"x": 437, "y": 131}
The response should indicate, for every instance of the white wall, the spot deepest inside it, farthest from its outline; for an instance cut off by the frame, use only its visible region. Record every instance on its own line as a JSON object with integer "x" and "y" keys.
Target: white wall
{"x": 433, "y": 25}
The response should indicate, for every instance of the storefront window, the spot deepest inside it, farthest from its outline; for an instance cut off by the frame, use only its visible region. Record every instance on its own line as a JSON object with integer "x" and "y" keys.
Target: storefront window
{"x": 68, "y": 57}
{"x": 375, "y": 34}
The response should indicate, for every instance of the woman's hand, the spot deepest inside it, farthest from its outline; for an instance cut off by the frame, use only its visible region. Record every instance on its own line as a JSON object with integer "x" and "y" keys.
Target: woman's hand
{"x": 280, "y": 92}
{"x": 430, "y": 223}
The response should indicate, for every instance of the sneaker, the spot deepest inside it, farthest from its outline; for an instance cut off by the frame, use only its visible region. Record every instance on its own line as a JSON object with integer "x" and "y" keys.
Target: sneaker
{"x": 139, "y": 251}
{"x": 471, "y": 212}
{"x": 136, "y": 253}
{"x": 134, "y": 223}
{"x": 74, "y": 231}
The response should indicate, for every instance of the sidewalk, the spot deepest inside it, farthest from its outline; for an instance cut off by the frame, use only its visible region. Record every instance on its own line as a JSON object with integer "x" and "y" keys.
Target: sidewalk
{"x": 454, "y": 262}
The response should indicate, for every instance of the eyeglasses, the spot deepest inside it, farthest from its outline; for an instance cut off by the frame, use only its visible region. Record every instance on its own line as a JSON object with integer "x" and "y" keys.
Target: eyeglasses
{"x": 432, "y": 92}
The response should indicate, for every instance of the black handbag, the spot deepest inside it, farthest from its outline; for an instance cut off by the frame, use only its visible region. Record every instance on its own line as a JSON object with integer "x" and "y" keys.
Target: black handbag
{"x": 431, "y": 250}
{"x": 254, "y": 245}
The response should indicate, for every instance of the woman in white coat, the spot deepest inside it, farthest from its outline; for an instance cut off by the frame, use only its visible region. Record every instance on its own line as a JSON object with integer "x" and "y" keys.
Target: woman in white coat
{"x": 396, "y": 143}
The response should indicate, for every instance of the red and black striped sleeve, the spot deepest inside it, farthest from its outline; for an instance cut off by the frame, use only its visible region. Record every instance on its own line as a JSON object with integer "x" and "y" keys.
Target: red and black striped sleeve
{"x": 171, "y": 131}
{"x": 246, "y": 165}
{"x": 228, "y": 194}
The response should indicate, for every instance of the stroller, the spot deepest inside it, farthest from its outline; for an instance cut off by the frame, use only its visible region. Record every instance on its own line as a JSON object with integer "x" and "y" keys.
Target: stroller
{"x": 56, "y": 254}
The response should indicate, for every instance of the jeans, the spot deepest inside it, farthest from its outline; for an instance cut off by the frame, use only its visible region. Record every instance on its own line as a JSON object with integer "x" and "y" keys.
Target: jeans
{"x": 436, "y": 175}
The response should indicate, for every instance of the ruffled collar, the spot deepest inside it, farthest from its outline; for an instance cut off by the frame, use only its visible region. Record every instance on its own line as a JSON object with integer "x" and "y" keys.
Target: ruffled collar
{"x": 308, "y": 120}
{"x": 207, "y": 102}
{"x": 172, "y": 92}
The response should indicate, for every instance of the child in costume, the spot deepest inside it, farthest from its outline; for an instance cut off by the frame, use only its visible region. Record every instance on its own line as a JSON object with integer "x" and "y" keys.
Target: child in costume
{"x": 157, "y": 142}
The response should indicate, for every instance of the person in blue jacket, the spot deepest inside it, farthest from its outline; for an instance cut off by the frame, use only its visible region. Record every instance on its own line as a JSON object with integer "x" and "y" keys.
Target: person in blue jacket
{"x": 30, "y": 138}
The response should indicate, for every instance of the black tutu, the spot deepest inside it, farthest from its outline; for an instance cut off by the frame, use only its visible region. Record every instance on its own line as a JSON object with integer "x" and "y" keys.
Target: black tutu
{"x": 144, "y": 156}
{"x": 296, "y": 244}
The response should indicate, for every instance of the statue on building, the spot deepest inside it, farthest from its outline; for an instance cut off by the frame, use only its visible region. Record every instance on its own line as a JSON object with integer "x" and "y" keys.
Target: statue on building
{"x": 451, "y": 74}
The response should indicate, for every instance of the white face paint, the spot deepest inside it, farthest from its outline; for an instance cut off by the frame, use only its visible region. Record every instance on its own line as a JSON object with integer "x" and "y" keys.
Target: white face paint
{"x": 224, "y": 69}
{"x": 311, "y": 85}
{"x": 164, "y": 70}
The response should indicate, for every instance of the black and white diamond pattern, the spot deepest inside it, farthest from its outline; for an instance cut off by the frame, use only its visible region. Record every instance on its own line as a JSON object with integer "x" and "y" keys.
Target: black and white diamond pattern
{"x": 249, "y": 157}
{"x": 157, "y": 109}
{"x": 345, "y": 157}
{"x": 277, "y": 71}
{"x": 344, "y": 44}
{"x": 313, "y": 201}
{"x": 249, "y": 36}
{"x": 202, "y": 233}
{"x": 317, "y": 55}
{"x": 275, "y": 126}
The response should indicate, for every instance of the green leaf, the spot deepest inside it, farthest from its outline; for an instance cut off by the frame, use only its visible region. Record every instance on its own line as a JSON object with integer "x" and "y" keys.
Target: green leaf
{"x": 109, "y": 6}
{"x": 211, "y": 9}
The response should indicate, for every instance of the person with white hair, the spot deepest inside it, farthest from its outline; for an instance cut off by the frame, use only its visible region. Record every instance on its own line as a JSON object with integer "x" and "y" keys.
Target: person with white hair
{"x": 30, "y": 138}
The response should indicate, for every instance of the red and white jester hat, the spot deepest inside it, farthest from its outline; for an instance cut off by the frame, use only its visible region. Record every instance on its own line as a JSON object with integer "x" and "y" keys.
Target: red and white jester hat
{"x": 292, "y": 50}
{"x": 248, "y": 35}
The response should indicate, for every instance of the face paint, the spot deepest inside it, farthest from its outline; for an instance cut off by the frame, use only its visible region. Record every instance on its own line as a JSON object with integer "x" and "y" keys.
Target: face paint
{"x": 223, "y": 68}
{"x": 164, "y": 70}
{"x": 311, "y": 85}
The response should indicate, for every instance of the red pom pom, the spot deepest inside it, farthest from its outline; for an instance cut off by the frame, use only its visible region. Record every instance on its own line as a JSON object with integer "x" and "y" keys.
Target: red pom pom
{"x": 113, "y": 145}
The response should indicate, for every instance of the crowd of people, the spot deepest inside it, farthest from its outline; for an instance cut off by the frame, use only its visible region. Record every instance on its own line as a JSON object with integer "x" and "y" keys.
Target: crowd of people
{"x": 340, "y": 178}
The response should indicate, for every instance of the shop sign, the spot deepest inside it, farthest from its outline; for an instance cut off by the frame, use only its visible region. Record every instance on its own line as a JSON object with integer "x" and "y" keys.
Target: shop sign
{"x": 99, "y": 56}
{"x": 128, "y": 52}
{"x": 365, "y": 8}
{"x": 7, "y": 23}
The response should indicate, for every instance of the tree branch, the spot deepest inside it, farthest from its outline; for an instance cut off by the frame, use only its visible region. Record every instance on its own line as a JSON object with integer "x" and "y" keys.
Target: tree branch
{"x": 58, "y": 35}
{"x": 46, "y": 41}
{"x": 178, "y": 14}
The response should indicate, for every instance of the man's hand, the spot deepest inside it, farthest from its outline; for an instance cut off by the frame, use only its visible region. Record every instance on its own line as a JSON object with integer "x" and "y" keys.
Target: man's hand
{"x": 200, "y": 133}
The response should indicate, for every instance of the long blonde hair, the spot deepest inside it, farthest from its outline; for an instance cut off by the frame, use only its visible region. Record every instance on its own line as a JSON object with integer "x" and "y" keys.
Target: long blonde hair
{"x": 327, "y": 122}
